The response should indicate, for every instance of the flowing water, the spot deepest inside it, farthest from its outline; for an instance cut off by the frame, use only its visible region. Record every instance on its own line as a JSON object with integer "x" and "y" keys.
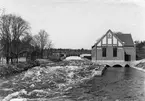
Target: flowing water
{"x": 117, "y": 84}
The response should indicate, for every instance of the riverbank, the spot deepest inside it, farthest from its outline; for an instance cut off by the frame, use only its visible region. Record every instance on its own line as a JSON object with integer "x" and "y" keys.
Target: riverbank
{"x": 139, "y": 65}
{"x": 50, "y": 80}
{"x": 117, "y": 84}
{"x": 141, "y": 69}
{"x": 99, "y": 72}
{"x": 8, "y": 70}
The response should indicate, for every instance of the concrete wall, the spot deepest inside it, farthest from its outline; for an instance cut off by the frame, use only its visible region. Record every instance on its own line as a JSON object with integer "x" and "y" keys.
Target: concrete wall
{"x": 109, "y": 55}
{"x": 131, "y": 51}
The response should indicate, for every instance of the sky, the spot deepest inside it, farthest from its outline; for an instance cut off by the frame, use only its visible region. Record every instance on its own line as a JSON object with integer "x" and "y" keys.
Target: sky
{"x": 78, "y": 24}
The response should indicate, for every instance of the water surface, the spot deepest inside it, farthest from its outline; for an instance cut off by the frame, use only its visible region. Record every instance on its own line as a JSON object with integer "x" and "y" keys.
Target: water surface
{"x": 123, "y": 84}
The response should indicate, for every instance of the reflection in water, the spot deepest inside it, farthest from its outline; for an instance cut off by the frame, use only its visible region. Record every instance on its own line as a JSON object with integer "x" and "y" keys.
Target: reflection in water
{"x": 144, "y": 86}
{"x": 127, "y": 74}
{"x": 124, "y": 83}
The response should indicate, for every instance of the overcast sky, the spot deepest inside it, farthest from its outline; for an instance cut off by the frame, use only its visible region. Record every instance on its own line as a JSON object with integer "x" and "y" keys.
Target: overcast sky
{"x": 79, "y": 23}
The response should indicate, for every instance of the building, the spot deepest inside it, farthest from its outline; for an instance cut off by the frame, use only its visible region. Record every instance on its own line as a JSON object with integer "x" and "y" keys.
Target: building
{"x": 114, "y": 47}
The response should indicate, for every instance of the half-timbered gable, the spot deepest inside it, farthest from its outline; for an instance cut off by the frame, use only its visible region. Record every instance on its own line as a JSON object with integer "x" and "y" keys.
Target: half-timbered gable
{"x": 109, "y": 39}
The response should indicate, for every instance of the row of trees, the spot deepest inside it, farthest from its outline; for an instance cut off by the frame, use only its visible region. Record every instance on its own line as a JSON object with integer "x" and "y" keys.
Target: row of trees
{"x": 67, "y": 52}
{"x": 16, "y": 39}
{"x": 140, "y": 49}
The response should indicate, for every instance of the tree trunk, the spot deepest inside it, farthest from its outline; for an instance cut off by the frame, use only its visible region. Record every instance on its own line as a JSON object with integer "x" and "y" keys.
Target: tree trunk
{"x": 7, "y": 53}
{"x": 17, "y": 58}
{"x": 41, "y": 53}
{"x": 17, "y": 53}
{"x": 7, "y": 60}
{"x": 11, "y": 60}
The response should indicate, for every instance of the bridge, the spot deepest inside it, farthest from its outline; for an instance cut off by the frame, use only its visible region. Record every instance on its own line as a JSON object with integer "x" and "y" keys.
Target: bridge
{"x": 114, "y": 63}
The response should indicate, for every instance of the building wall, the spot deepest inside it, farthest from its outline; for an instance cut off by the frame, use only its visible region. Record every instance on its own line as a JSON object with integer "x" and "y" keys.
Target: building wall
{"x": 109, "y": 40}
{"x": 109, "y": 54}
{"x": 131, "y": 51}
{"x": 94, "y": 55}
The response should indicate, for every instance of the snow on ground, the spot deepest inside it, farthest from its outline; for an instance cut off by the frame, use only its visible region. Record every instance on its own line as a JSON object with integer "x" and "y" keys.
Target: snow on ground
{"x": 138, "y": 61}
{"x": 82, "y": 55}
{"x": 73, "y": 58}
{"x": 52, "y": 80}
{"x": 139, "y": 64}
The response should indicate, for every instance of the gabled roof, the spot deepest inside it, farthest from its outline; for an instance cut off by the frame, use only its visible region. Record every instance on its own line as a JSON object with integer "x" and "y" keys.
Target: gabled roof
{"x": 106, "y": 34}
{"x": 125, "y": 38}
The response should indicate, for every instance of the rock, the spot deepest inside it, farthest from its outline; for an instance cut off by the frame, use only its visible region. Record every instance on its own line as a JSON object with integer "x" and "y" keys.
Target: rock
{"x": 69, "y": 88}
{"x": 105, "y": 98}
{"x": 38, "y": 91}
{"x": 28, "y": 74}
{"x": 81, "y": 98}
{"x": 7, "y": 89}
{"x": 18, "y": 99}
{"x": 38, "y": 73}
{"x": 32, "y": 85}
{"x": 10, "y": 96}
{"x": 61, "y": 86}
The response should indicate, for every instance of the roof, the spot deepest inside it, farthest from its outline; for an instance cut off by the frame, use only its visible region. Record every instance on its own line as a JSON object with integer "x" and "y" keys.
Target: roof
{"x": 126, "y": 38}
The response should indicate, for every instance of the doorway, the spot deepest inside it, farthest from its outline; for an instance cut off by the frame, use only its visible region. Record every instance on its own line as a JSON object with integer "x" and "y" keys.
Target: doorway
{"x": 127, "y": 57}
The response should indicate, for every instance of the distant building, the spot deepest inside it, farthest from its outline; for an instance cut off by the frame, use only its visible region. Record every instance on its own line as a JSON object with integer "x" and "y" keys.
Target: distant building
{"x": 114, "y": 46}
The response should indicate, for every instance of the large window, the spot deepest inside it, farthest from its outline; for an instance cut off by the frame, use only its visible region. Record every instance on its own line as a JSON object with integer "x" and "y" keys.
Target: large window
{"x": 114, "y": 52}
{"x": 104, "y": 52}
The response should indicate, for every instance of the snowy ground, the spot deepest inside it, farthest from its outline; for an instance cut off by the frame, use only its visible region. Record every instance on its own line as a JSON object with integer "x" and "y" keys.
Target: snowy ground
{"x": 50, "y": 80}
{"x": 53, "y": 81}
{"x": 140, "y": 65}
{"x": 73, "y": 58}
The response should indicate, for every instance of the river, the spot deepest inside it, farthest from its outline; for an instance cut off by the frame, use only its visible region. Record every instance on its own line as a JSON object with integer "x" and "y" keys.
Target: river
{"x": 117, "y": 84}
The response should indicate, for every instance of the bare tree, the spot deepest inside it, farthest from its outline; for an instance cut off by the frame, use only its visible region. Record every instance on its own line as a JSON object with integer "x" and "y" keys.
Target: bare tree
{"x": 20, "y": 30}
{"x": 12, "y": 29}
{"x": 42, "y": 41}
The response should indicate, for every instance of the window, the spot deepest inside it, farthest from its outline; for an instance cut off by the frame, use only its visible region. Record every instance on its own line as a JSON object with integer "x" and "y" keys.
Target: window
{"x": 109, "y": 35}
{"x": 103, "y": 52}
{"x": 110, "y": 41}
{"x": 115, "y": 52}
{"x": 104, "y": 40}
